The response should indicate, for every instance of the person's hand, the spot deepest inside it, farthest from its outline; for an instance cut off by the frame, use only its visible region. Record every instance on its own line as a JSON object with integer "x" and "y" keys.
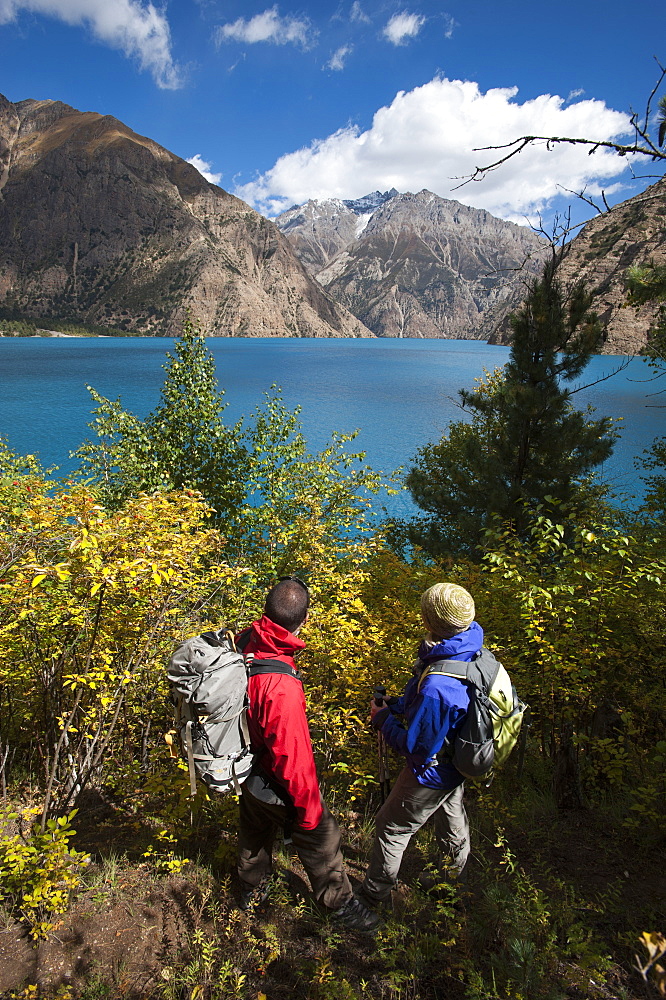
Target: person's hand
{"x": 374, "y": 707}
{"x": 379, "y": 714}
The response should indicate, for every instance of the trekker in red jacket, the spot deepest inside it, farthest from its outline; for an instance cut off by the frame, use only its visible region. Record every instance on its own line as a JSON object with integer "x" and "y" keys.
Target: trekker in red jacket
{"x": 282, "y": 791}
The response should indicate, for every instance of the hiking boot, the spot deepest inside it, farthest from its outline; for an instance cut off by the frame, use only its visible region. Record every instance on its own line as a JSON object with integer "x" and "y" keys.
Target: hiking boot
{"x": 251, "y": 898}
{"x": 356, "y": 916}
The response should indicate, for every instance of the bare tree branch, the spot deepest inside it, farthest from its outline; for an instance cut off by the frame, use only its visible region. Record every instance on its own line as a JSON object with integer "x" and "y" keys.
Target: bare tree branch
{"x": 642, "y": 145}
{"x": 588, "y": 201}
{"x": 653, "y": 94}
{"x": 604, "y": 378}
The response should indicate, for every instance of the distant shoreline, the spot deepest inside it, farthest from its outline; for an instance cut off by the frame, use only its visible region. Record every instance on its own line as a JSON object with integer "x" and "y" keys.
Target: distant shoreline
{"x": 48, "y": 334}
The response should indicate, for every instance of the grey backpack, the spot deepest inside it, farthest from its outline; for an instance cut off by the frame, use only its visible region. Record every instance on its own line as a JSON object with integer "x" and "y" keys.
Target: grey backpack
{"x": 208, "y": 676}
{"x": 208, "y": 679}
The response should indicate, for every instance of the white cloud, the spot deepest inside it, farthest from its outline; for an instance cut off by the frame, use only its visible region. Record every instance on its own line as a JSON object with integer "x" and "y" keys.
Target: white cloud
{"x": 138, "y": 29}
{"x": 242, "y": 57}
{"x": 573, "y": 94}
{"x": 337, "y": 60}
{"x": 450, "y": 24}
{"x": 357, "y": 14}
{"x": 268, "y": 26}
{"x": 403, "y": 26}
{"x": 427, "y": 136}
{"x": 204, "y": 168}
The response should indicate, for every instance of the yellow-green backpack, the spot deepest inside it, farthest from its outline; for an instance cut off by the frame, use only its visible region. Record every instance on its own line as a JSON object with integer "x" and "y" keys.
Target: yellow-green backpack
{"x": 492, "y": 724}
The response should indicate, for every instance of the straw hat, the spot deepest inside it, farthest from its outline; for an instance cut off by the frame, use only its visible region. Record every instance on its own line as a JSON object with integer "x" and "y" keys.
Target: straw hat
{"x": 447, "y": 609}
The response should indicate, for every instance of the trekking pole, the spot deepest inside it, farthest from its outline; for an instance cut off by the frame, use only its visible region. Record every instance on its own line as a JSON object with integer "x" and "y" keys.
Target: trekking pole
{"x": 382, "y": 750}
{"x": 386, "y": 788}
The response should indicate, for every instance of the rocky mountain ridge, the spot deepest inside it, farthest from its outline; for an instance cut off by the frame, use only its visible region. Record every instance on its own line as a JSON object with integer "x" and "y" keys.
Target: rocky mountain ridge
{"x": 416, "y": 265}
{"x": 369, "y": 203}
{"x": 318, "y": 230}
{"x": 632, "y": 233}
{"x": 105, "y": 226}
{"x": 419, "y": 265}
{"x": 102, "y": 226}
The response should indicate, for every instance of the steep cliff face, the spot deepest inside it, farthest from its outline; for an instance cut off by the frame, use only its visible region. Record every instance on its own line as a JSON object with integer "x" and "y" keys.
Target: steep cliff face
{"x": 632, "y": 233}
{"x": 416, "y": 266}
{"x": 103, "y": 225}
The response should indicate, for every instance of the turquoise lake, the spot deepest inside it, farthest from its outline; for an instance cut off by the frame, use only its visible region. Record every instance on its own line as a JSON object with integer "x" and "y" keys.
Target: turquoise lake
{"x": 399, "y": 394}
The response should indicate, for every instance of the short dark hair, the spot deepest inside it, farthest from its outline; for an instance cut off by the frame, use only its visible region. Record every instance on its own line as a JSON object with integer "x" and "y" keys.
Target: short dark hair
{"x": 287, "y": 603}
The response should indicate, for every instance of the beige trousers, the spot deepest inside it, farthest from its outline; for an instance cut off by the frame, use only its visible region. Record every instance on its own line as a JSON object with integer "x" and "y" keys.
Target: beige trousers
{"x": 405, "y": 811}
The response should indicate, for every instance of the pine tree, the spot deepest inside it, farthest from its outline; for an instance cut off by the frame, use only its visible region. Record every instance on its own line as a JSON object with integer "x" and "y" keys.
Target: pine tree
{"x": 525, "y": 444}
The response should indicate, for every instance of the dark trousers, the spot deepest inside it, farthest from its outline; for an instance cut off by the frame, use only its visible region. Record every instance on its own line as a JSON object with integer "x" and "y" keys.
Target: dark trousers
{"x": 318, "y": 849}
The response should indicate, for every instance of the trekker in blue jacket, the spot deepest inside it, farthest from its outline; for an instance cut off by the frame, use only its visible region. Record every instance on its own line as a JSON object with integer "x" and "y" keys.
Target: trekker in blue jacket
{"x": 417, "y": 725}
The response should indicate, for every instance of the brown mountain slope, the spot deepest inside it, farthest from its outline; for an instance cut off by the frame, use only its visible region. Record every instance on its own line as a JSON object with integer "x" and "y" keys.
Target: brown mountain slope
{"x": 632, "y": 233}
{"x": 105, "y": 226}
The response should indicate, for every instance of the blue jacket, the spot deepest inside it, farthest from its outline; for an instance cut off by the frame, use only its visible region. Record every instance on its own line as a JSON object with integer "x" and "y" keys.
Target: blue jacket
{"x": 430, "y": 716}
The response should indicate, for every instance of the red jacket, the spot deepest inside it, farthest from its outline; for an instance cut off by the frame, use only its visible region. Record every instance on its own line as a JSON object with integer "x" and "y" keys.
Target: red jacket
{"x": 277, "y": 721}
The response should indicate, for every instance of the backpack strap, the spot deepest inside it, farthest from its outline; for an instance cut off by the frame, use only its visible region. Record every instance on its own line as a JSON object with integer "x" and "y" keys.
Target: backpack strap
{"x": 458, "y": 669}
{"x": 242, "y": 639}
{"x": 257, "y": 667}
{"x": 190, "y": 759}
{"x": 480, "y": 672}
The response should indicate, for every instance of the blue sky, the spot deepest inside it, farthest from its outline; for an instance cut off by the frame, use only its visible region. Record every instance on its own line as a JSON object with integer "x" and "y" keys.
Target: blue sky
{"x": 289, "y": 101}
